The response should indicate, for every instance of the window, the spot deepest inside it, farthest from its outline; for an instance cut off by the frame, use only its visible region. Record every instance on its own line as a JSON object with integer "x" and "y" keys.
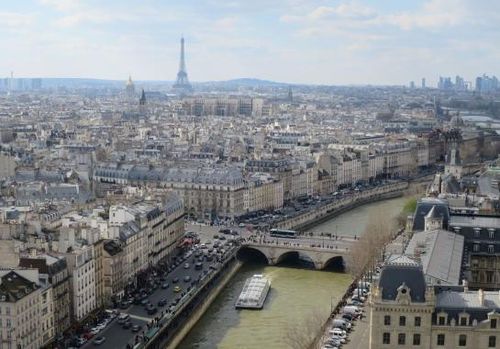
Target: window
{"x": 418, "y": 320}
{"x": 387, "y": 320}
{"x": 492, "y": 342}
{"x": 416, "y": 339}
{"x": 477, "y": 231}
{"x": 463, "y": 321}
{"x": 462, "y": 340}
{"x": 401, "y": 338}
{"x": 442, "y": 321}
{"x": 475, "y": 248}
{"x": 489, "y": 276}
{"x": 491, "y": 249}
{"x": 491, "y": 233}
{"x": 386, "y": 338}
{"x": 440, "y": 339}
{"x": 493, "y": 323}
{"x": 402, "y": 321}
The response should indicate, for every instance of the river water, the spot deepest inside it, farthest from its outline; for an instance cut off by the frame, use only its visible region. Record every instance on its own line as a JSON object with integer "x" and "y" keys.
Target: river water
{"x": 297, "y": 295}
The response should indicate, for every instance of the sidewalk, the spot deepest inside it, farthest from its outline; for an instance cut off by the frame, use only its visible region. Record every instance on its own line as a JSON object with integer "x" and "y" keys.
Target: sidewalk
{"x": 359, "y": 338}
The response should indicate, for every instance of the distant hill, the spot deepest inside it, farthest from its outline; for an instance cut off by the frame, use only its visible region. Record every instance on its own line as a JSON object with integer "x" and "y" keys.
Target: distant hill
{"x": 251, "y": 82}
{"x": 104, "y": 83}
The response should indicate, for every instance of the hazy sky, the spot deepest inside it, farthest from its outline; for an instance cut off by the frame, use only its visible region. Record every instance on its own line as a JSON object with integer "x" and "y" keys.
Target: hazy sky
{"x": 297, "y": 41}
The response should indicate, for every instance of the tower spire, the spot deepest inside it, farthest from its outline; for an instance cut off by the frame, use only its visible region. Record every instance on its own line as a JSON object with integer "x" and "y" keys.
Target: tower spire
{"x": 182, "y": 81}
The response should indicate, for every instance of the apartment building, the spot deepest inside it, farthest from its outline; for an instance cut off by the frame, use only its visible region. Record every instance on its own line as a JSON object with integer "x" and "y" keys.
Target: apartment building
{"x": 54, "y": 270}
{"x": 21, "y": 319}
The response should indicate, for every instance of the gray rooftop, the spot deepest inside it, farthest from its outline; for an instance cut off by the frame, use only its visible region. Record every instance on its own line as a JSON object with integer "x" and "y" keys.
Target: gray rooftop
{"x": 440, "y": 253}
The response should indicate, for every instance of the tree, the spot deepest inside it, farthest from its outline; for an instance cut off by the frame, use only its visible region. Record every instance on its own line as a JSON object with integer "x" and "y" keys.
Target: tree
{"x": 408, "y": 209}
{"x": 302, "y": 335}
{"x": 369, "y": 249}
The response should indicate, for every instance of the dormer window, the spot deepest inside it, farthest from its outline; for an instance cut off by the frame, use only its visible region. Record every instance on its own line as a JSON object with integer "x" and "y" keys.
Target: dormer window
{"x": 477, "y": 232}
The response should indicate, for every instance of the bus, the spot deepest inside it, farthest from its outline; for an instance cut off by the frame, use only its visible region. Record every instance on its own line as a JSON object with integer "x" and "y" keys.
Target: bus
{"x": 283, "y": 233}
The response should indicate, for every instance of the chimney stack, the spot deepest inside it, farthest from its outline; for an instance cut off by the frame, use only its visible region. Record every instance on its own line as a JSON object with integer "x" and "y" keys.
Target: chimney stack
{"x": 465, "y": 283}
{"x": 481, "y": 296}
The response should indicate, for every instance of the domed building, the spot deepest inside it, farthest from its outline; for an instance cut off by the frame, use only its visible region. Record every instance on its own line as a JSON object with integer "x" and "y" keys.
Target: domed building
{"x": 130, "y": 87}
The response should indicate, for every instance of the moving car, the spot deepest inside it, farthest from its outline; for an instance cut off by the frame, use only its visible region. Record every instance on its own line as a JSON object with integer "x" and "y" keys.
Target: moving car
{"x": 177, "y": 289}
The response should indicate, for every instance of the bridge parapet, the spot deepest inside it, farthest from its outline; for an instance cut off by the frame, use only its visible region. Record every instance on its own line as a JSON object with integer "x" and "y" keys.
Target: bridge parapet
{"x": 320, "y": 256}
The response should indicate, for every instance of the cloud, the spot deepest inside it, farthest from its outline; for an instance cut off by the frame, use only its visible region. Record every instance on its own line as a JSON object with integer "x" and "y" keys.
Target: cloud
{"x": 96, "y": 17}
{"x": 62, "y": 5}
{"x": 351, "y": 10}
{"x": 227, "y": 23}
{"x": 12, "y": 19}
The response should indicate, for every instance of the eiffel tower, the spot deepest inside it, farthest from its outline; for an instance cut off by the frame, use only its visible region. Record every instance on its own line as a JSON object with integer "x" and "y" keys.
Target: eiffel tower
{"x": 182, "y": 82}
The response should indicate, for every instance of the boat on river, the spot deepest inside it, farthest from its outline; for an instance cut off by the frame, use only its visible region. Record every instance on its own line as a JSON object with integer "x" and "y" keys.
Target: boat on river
{"x": 254, "y": 293}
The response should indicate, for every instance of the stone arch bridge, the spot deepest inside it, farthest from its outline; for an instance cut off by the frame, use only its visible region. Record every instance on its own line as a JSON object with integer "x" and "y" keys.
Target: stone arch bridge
{"x": 275, "y": 253}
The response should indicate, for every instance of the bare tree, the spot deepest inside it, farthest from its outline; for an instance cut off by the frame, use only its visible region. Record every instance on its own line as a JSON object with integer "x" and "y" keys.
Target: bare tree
{"x": 302, "y": 335}
{"x": 369, "y": 249}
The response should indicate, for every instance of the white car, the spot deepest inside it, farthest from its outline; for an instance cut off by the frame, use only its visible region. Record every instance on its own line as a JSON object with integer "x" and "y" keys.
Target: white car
{"x": 338, "y": 332}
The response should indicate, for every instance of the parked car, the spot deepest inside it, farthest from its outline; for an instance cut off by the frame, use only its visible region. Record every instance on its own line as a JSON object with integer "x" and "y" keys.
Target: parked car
{"x": 165, "y": 285}
{"x": 99, "y": 340}
{"x": 177, "y": 289}
{"x": 136, "y": 328}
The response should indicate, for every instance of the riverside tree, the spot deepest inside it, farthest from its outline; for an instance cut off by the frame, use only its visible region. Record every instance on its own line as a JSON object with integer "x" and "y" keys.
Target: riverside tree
{"x": 370, "y": 247}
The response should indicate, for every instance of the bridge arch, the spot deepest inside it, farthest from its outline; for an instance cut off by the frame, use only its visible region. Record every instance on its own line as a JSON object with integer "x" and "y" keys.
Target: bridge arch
{"x": 252, "y": 254}
{"x": 294, "y": 256}
{"x": 335, "y": 263}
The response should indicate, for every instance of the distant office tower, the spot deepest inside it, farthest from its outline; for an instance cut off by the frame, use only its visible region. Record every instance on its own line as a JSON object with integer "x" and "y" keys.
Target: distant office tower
{"x": 290, "y": 94}
{"x": 459, "y": 84}
{"x": 36, "y": 84}
{"x": 486, "y": 84}
{"x": 423, "y": 82}
{"x": 130, "y": 88}
{"x": 182, "y": 82}
{"x": 412, "y": 84}
{"x": 445, "y": 83}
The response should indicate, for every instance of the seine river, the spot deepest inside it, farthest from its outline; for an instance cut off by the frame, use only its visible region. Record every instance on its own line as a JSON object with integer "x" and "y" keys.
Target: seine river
{"x": 295, "y": 295}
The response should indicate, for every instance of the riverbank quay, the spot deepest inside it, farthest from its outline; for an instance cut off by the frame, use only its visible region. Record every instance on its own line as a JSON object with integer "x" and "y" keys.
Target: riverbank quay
{"x": 367, "y": 276}
{"x": 307, "y": 219}
{"x": 202, "y": 308}
{"x": 170, "y": 329}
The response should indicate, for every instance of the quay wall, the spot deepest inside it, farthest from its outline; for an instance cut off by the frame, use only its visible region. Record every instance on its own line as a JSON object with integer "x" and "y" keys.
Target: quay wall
{"x": 202, "y": 308}
{"x": 199, "y": 301}
{"x": 318, "y": 215}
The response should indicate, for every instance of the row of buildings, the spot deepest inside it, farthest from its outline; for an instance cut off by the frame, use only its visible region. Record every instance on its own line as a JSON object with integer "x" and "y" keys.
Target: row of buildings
{"x": 62, "y": 269}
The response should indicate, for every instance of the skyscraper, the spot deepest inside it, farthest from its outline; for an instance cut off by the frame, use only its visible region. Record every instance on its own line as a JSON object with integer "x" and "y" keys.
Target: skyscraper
{"x": 182, "y": 82}
{"x": 423, "y": 82}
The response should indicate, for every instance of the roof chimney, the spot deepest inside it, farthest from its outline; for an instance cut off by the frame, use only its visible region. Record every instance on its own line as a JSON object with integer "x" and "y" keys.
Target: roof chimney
{"x": 465, "y": 283}
{"x": 480, "y": 293}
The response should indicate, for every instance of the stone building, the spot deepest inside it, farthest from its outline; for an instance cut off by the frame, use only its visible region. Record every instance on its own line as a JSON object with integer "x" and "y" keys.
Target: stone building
{"x": 20, "y": 310}
{"x": 55, "y": 270}
{"x": 407, "y": 313}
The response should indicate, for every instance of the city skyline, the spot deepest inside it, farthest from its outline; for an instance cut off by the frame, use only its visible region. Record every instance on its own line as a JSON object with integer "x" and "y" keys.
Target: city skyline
{"x": 312, "y": 42}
